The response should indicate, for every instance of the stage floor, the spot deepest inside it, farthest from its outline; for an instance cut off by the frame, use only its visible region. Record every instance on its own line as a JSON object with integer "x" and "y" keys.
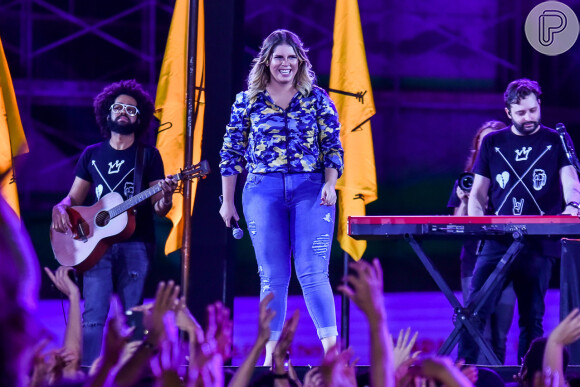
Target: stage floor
{"x": 426, "y": 312}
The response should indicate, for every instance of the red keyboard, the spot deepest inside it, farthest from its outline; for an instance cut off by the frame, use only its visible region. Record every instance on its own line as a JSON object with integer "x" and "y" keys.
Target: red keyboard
{"x": 377, "y": 227}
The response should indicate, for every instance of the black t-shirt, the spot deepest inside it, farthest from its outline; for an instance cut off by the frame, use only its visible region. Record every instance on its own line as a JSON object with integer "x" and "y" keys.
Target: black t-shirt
{"x": 523, "y": 172}
{"x": 110, "y": 170}
{"x": 454, "y": 200}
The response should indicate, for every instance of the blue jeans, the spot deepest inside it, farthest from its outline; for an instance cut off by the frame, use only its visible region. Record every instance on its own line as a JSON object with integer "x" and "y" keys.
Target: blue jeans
{"x": 530, "y": 273}
{"x": 285, "y": 219}
{"x": 122, "y": 269}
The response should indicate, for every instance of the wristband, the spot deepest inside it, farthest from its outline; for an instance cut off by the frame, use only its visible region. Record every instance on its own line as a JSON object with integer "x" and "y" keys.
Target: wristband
{"x": 164, "y": 204}
{"x": 573, "y": 204}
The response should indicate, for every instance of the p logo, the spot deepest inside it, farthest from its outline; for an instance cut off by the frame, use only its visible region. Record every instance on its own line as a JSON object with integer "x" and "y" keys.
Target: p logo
{"x": 552, "y": 28}
{"x": 552, "y": 22}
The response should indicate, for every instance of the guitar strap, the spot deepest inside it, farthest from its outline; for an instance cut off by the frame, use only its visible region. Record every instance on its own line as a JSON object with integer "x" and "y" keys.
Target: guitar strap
{"x": 139, "y": 166}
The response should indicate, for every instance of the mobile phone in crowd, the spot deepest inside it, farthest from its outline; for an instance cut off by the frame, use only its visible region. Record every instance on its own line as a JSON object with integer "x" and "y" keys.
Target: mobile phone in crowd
{"x": 135, "y": 319}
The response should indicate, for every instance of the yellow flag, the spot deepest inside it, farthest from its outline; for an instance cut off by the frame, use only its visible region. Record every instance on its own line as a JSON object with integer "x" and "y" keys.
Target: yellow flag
{"x": 12, "y": 139}
{"x": 170, "y": 106}
{"x": 350, "y": 89}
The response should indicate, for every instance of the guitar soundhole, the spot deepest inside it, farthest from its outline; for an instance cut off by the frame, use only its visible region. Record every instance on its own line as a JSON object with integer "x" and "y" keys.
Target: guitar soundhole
{"x": 103, "y": 218}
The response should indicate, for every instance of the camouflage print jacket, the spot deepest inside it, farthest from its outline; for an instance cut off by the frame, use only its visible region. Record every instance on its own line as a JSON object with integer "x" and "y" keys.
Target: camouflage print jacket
{"x": 305, "y": 137}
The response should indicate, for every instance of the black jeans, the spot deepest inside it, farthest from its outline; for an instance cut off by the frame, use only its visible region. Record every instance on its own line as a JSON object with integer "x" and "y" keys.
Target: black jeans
{"x": 530, "y": 273}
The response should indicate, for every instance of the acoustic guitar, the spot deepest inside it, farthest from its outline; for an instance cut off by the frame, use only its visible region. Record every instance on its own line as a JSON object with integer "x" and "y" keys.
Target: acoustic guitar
{"x": 110, "y": 220}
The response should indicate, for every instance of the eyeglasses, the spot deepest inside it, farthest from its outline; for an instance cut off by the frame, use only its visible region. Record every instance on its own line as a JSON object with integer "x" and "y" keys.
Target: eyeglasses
{"x": 118, "y": 107}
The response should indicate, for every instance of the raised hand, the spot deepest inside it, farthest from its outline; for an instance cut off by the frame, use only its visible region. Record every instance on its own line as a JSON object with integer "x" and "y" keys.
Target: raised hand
{"x": 165, "y": 300}
{"x": 568, "y": 331}
{"x": 265, "y": 318}
{"x": 313, "y": 378}
{"x": 365, "y": 287}
{"x": 166, "y": 364}
{"x": 336, "y": 369}
{"x": 43, "y": 362}
{"x": 63, "y": 282}
{"x": 184, "y": 319}
{"x": 403, "y": 347}
{"x": 244, "y": 373}
{"x": 283, "y": 346}
{"x": 209, "y": 349}
{"x": 219, "y": 329}
{"x": 115, "y": 339}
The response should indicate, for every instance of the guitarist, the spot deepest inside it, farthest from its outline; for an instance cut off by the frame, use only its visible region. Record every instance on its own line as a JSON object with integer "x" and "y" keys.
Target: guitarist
{"x": 124, "y": 112}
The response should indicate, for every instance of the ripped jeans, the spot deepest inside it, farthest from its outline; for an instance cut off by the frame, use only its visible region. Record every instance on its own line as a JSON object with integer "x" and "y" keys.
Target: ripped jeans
{"x": 285, "y": 219}
{"x": 122, "y": 269}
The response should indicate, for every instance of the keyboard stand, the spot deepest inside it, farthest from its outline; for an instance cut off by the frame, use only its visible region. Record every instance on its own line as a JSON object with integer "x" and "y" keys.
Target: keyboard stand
{"x": 465, "y": 318}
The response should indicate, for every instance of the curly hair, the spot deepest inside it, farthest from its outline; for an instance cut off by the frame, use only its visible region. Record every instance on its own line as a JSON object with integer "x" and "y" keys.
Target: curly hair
{"x": 260, "y": 74}
{"x": 130, "y": 87}
{"x": 520, "y": 89}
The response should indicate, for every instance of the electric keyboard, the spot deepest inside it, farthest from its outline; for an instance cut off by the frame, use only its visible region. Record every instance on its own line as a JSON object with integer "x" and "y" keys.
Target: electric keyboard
{"x": 379, "y": 227}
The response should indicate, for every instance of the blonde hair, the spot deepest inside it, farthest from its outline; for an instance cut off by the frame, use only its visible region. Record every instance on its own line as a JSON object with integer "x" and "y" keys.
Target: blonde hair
{"x": 260, "y": 74}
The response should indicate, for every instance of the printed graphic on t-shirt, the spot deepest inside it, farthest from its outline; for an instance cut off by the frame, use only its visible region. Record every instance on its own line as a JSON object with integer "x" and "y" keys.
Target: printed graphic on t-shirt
{"x": 115, "y": 167}
{"x": 522, "y": 155}
{"x": 99, "y": 191}
{"x": 539, "y": 179}
{"x": 518, "y": 206}
{"x": 502, "y": 179}
{"x": 522, "y": 167}
{"x": 129, "y": 189}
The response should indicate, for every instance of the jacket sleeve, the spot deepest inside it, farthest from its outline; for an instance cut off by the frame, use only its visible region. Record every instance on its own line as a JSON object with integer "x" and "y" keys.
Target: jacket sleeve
{"x": 330, "y": 146}
{"x": 235, "y": 138}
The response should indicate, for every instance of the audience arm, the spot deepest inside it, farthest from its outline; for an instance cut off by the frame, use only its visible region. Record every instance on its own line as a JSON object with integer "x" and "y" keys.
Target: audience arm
{"x": 244, "y": 372}
{"x": 365, "y": 288}
{"x": 567, "y": 332}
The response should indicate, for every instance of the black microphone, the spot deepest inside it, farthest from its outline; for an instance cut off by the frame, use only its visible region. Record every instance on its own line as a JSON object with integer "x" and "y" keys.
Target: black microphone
{"x": 568, "y": 146}
{"x": 237, "y": 232}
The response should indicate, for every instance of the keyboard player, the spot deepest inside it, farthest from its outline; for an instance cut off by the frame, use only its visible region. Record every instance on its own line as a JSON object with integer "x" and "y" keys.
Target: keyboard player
{"x": 523, "y": 170}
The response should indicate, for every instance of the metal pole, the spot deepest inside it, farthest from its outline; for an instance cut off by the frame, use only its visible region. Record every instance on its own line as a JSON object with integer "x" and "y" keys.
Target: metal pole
{"x": 345, "y": 308}
{"x": 191, "y": 116}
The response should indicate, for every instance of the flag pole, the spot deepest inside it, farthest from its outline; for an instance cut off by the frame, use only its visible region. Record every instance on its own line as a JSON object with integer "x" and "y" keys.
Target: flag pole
{"x": 345, "y": 306}
{"x": 191, "y": 116}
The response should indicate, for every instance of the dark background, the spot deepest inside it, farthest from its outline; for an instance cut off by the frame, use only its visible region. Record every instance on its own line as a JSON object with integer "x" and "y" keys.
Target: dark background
{"x": 438, "y": 70}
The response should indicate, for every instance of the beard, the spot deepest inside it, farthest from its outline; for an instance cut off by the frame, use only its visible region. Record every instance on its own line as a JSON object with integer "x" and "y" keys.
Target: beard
{"x": 526, "y": 127}
{"x": 125, "y": 129}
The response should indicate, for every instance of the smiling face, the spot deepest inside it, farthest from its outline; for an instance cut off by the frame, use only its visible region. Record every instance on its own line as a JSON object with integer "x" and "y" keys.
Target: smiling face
{"x": 283, "y": 64}
{"x": 525, "y": 115}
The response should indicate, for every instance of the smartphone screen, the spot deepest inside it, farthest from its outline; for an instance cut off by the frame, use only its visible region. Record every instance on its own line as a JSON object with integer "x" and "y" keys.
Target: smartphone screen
{"x": 135, "y": 319}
